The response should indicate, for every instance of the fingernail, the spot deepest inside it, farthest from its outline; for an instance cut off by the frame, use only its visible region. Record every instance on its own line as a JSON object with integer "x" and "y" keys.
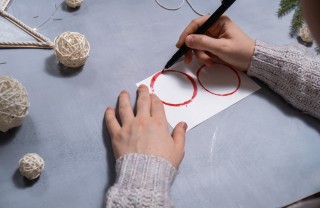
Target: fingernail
{"x": 184, "y": 126}
{"x": 178, "y": 45}
{"x": 189, "y": 40}
{"x": 123, "y": 92}
{"x": 108, "y": 109}
{"x": 142, "y": 85}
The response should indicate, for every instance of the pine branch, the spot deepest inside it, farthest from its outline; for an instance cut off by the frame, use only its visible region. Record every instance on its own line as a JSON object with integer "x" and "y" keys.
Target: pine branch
{"x": 286, "y": 6}
{"x": 296, "y": 22}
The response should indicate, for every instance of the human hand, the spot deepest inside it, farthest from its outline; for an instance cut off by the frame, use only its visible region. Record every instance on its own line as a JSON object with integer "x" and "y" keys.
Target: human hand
{"x": 146, "y": 132}
{"x": 223, "y": 42}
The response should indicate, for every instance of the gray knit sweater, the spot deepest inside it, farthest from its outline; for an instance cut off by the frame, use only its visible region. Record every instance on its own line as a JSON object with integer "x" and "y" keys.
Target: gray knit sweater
{"x": 145, "y": 180}
{"x": 142, "y": 181}
{"x": 291, "y": 72}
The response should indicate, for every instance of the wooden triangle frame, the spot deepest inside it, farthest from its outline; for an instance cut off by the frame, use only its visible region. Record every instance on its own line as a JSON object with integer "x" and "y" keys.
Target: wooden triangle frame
{"x": 43, "y": 42}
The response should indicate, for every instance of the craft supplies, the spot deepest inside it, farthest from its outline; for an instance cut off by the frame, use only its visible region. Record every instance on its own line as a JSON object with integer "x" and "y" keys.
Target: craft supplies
{"x": 31, "y": 165}
{"x": 14, "y": 103}
{"x": 73, "y": 3}
{"x": 71, "y": 49}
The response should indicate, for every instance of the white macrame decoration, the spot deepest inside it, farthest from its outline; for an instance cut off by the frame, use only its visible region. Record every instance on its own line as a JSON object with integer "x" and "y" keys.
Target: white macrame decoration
{"x": 71, "y": 49}
{"x": 14, "y": 103}
{"x": 305, "y": 34}
{"x": 73, "y": 3}
{"x": 31, "y": 165}
{"x": 42, "y": 42}
{"x": 4, "y": 4}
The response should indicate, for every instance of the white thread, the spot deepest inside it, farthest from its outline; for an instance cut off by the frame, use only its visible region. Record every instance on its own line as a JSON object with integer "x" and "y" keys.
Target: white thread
{"x": 71, "y": 49}
{"x": 47, "y": 20}
{"x": 31, "y": 166}
{"x": 182, "y": 2}
{"x": 14, "y": 103}
{"x": 176, "y": 8}
{"x": 193, "y": 9}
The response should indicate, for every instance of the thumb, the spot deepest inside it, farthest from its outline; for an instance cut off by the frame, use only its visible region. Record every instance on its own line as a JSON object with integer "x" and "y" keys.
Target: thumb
{"x": 179, "y": 135}
{"x": 204, "y": 43}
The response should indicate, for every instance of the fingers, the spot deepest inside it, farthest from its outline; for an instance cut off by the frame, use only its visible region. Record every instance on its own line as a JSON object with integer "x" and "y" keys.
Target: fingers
{"x": 111, "y": 121}
{"x": 188, "y": 57}
{"x": 203, "y": 57}
{"x": 219, "y": 27}
{"x": 190, "y": 29}
{"x": 144, "y": 101}
{"x": 179, "y": 134}
{"x": 157, "y": 109}
{"x": 205, "y": 43}
{"x": 125, "y": 109}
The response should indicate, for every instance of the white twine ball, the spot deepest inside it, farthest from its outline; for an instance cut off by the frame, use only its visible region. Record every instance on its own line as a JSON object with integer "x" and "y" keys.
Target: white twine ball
{"x": 14, "y": 103}
{"x": 305, "y": 34}
{"x": 71, "y": 49}
{"x": 73, "y": 3}
{"x": 31, "y": 166}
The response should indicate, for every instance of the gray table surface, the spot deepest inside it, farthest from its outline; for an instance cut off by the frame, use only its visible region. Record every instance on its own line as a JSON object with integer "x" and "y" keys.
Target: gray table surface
{"x": 260, "y": 152}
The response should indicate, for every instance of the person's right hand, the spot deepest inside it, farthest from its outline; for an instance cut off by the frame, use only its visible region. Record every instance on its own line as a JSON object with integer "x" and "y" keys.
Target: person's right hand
{"x": 224, "y": 41}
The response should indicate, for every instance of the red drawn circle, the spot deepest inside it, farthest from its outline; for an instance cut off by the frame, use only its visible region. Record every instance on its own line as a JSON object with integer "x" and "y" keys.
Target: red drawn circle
{"x": 195, "y": 88}
{"x": 220, "y": 94}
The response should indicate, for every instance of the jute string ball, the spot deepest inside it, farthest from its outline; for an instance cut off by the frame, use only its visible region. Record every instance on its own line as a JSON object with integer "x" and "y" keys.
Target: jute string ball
{"x": 73, "y": 3}
{"x": 14, "y": 103}
{"x": 71, "y": 49}
{"x": 31, "y": 165}
{"x": 305, "y": 34}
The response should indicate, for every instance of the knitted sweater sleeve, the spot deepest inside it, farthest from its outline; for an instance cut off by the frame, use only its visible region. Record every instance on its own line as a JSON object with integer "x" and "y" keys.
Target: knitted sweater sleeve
{"x": 141, "y": 181}
{"x": 291, "y": 72}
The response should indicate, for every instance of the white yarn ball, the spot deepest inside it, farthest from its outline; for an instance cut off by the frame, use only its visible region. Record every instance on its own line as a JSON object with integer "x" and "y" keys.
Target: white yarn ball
{"x": 73, "y": 3}
{"x": 14, "y": 103}
{"x": 31, "y": 166}
{"x": 305, "y": 34}
{"x": 71, "y": 49}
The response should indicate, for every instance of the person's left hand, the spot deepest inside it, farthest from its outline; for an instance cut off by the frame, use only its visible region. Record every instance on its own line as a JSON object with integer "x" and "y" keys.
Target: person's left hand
{"x": 146, "y": 132}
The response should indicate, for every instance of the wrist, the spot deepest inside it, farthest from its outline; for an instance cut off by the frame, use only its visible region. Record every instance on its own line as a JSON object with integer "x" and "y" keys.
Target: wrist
{"x": 251, "y": 53}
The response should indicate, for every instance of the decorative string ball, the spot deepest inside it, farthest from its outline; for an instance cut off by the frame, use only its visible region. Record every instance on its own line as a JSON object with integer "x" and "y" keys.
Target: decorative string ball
{"x": 73, "y": 3}
{"x": 14, "y": 103}
{"x": 71, "y": 49}
{"x": 305, "y": 34}
{"x": 31, "y": 165}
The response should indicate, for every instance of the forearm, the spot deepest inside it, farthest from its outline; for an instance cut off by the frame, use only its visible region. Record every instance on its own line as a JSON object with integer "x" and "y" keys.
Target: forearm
{"x": 291, "y": 72}
{"x": 142, "y": 181}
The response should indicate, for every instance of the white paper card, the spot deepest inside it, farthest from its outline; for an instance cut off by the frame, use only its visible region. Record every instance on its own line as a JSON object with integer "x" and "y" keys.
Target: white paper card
{"x": 193, "y": 93}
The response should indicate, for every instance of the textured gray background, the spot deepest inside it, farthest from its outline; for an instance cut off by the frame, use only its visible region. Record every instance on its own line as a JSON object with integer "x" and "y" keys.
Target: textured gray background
{"x": 260, "y": 152}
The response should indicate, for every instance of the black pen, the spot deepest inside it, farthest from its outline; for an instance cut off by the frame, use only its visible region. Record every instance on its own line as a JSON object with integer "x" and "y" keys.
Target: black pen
{"x": 201, "y": 30}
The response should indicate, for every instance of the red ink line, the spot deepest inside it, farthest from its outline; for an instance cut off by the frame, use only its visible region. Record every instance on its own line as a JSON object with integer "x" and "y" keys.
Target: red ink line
{"x": 218, "y": 94}
{"x": 195, "y": 88}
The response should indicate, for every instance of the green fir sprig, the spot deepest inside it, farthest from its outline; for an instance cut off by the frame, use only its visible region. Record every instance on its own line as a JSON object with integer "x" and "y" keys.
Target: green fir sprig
{"x": 287, "y": 6}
